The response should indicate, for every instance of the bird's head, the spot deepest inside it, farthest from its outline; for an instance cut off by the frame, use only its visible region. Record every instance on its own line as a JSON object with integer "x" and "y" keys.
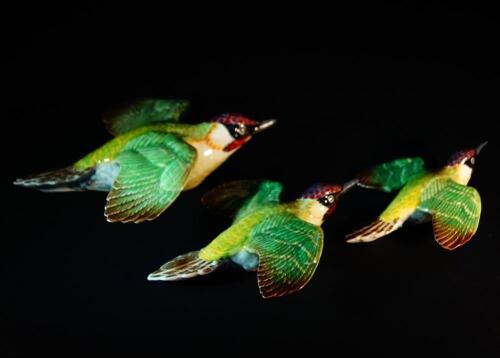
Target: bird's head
{"x": 232, "y": 130}
{"x": 323, "y": 198}
{"x": 464, "y": 161}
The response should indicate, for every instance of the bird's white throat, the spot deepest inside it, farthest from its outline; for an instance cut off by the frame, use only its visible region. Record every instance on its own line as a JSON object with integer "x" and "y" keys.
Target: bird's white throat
{"x": 219, "y": 137}
{"x": 464, "y": 172}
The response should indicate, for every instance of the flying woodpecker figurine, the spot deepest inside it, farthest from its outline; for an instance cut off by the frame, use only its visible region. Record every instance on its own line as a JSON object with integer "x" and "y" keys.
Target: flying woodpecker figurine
{"x": 442, "y": 196}
{"x": 151, "y": 159}
{"x": 281, "y": 241}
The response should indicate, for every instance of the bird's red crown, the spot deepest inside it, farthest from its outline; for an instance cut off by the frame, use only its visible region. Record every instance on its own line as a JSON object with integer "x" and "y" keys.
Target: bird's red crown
{"x": 234, "y": 119}
{"x": 318, "y": 191}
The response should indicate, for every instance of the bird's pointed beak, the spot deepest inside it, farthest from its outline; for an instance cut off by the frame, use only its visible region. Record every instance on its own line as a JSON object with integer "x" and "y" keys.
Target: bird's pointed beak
{"x": 348, "y": 186}
{"x": 265, "y": 125}
{"x": 480, "y": 147}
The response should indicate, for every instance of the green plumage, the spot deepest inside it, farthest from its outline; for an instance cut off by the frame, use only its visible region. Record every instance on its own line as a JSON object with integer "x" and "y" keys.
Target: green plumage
{"x": 268, "y": 193}
{"x": 145, "y": 111}
{"x": 456, "y": 210}
{"x": 115, "y": 146}
{"x": 234, "y": 238}
{"x": 151, "y": 159}
{"x": 288, "y": 248}
{"x": 392, "y": 175}
{"x": 153, "y": 169}
{"x": 231, "y": 198}
{"x": 144, "y": 167}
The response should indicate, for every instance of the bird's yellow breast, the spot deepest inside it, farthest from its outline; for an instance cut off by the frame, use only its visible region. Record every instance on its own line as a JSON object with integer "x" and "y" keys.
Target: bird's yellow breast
{"x": 407, "y": 200}
{"x": 208, "y": 159}
{"x": 410, "y": 197}
{"x": 232, "y": 239}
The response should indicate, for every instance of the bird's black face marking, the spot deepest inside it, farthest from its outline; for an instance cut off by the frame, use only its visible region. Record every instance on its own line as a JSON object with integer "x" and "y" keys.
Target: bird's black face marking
{"x": 327, "y": 200}
{"x": 240, "y": 130}
{"x": 470, "y": 162}
{"x": 325, "y": 194}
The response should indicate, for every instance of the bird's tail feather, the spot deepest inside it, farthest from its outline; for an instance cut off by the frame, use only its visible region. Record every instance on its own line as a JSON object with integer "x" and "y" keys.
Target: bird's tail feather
{"x": 183, "y": 267}
{"x": 66, "y": 179}
{"x": 372, "y": 232}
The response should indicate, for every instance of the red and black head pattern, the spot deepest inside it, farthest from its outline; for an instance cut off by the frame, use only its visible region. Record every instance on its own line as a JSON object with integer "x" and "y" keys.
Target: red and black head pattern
{"x": 326, "y": 194}
{"x": 458, "y": 157}
{"x": 467, "y": 156}
{"x": 229, "y": 119}
{"x": 239, "y": 126}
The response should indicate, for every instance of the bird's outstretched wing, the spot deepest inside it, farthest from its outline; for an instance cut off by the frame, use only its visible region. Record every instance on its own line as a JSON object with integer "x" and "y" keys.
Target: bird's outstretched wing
{"x": 393, "y": 175}
{"x": 153, "y": 170}
{"x": 143, "y": 111}
{"x": 289, "y": 250}
{"x": 239, "y": 198}
{"x": 455, "y": 211}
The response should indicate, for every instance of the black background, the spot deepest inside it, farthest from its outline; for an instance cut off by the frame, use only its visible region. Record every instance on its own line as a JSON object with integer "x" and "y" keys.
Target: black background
{"x": 351, "y": 88}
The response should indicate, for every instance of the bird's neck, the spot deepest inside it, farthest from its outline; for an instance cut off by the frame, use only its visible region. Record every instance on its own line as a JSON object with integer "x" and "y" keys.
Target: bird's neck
{"x": 311, "y": 211}
{"x": 208, "y": 158}
{"x": 459, "y": 173}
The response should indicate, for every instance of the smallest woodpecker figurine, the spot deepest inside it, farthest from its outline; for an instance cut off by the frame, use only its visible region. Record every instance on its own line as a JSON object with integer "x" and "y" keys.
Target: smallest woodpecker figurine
{"x": 441, "y": 196}
{"x": 281, "y": 241}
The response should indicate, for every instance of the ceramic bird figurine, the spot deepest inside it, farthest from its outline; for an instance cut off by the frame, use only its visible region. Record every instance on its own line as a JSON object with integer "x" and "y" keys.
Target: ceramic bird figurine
{"x": 441, "y": 195}
{"x": 281, "y": 241}
{"x": 151, "y": 159}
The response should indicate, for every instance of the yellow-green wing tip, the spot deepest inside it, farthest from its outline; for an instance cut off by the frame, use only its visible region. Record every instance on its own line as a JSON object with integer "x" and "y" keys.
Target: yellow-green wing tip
{"x": 456, "y": 211}
{"x": 450, "y": 239}
{"x": 270, "y": 288}
{"x": 393, "y": 175}
{"x": 141, "y": 112}
{"x": 289, "y": 251}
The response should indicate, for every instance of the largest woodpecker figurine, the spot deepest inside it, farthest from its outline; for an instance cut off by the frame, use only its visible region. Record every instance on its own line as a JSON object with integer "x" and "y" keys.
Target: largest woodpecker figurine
{"x": 441, "y": 196}
{"x": 151, "y": 159}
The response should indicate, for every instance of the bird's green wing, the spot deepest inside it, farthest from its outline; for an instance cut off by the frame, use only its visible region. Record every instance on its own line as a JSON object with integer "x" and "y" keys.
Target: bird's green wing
{"x": 455, "y": 211}
{"x": 289, "y": 250}
{"x": 239, "y": 198}
{"x": 392, "y": 175}
{"x": 153, "y": 170}
{"x": 143, "y": 111}
{"x": 268, "y": 192}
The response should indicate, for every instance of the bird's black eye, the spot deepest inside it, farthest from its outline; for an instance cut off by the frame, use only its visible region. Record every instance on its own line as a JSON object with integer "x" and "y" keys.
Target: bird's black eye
{"x": 238, "y": 130}
{"x": 327, "y": 200}
{"x": 470, "y": 162}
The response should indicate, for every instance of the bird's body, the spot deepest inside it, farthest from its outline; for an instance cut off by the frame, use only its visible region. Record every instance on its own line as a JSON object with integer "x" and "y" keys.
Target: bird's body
{"x": 233, "y": 240}
{"x": 110, "y": 150}
{"x": 209, "y": 156}
{"x": 441, "y": 195}
{"x": 407, "y": 202}
{"x": 282, "y": 241}
{"x": 151, "y": 159}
